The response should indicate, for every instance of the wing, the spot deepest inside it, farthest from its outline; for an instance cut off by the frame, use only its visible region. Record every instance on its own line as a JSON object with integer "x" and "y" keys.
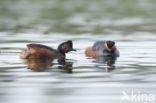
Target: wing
{"x": 39, "y": 51}
{"x": 35, "y": 46}
{"x": 98, "y": 45}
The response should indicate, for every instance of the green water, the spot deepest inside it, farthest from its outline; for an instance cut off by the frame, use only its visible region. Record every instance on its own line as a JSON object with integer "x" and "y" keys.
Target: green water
{"x": 78, "y": 16}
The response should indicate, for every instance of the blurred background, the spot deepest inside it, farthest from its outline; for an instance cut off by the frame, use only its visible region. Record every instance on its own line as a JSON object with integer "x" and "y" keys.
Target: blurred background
{"x": 130, "y": 23}
{"x": 78, "y": 16}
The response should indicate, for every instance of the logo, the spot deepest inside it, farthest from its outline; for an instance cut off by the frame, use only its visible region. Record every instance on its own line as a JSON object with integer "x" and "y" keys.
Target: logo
{"x": 138, "y": 96}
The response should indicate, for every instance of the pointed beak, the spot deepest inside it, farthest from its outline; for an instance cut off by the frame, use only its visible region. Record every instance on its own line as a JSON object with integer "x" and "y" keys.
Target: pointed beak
{"x": 73, "y": 49}
{"x": 109, "y": 50}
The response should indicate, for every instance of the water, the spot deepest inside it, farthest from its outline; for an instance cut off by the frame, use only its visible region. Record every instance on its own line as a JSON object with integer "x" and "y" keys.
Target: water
{"x": 131, "y": 24}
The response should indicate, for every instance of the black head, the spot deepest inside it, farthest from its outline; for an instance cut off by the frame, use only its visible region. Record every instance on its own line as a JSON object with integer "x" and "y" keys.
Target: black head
{"x": 66, "y": 47}
{"x": 110, "y": 46}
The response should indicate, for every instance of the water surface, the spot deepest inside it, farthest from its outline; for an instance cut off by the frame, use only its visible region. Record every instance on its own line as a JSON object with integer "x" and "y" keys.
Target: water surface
{"x": 131, "y": 24}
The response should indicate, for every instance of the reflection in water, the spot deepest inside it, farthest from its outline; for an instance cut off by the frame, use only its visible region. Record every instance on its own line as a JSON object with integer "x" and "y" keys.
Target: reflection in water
{"x": 66, "y": 65}
{"x": 106, "y": 63}
{"x": 38, "y": 64}
{"x": 43, "y": 64}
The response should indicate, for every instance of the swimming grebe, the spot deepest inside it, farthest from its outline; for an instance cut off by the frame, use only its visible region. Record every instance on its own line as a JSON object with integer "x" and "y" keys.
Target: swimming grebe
{"x": 102, "y": 48}
{"x": 37, "y": 51}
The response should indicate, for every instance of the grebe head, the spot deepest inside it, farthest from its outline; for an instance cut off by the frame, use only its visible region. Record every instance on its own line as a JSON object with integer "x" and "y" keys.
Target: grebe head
{"x": 110, "y": 46}
{"x": 65, "y": 47}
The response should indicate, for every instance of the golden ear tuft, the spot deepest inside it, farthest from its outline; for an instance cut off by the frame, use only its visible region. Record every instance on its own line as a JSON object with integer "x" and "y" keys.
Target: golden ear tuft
{"x": 105, "y": 46}
{"x": 65, "y": 46}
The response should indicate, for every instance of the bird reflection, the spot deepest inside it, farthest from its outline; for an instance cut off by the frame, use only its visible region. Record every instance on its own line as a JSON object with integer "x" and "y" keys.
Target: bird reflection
{"x": 107, "y": 63}
{"x": 38, "y": 64}
{"x": 67, "y": 65}
{"x": 44, "y": 64}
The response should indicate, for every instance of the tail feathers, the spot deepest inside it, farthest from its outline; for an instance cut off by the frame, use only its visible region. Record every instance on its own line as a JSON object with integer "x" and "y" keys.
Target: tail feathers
{"x": 25, "y": 54}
